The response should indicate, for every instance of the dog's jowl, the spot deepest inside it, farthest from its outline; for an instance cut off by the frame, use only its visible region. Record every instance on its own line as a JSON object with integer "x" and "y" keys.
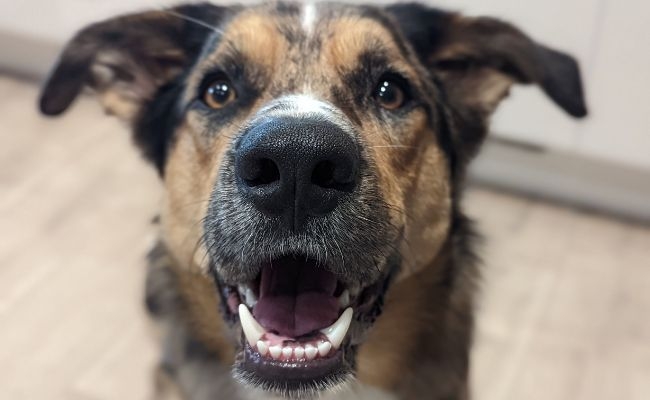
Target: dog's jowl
{"x": 311, "y": 241}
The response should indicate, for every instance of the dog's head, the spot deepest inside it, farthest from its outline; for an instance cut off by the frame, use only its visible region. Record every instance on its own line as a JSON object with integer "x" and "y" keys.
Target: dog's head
{"x": 311, "y": 154}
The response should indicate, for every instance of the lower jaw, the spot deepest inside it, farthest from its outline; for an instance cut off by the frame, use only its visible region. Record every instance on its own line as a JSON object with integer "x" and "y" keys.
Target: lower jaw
{"x": 291, "y": 378}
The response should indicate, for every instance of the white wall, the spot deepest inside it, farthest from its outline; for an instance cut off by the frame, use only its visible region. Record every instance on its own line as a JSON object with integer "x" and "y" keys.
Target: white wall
{"x": 57, "y": 20}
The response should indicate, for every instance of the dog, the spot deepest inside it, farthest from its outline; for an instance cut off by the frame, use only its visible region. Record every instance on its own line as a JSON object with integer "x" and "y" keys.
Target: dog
{"x": 312, "y": 240}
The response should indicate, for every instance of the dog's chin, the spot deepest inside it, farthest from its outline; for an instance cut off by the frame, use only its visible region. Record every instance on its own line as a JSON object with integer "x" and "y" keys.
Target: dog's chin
{"x": 299, "y": 326}
{"x": 299, "y": 379}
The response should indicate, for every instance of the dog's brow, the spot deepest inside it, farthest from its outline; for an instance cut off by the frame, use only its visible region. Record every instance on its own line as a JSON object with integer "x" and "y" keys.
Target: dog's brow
{"x": 308, "y": 17}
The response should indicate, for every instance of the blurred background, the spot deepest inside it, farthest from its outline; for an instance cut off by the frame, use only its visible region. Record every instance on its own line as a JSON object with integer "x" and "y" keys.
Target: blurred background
{"x": 564, "y": 206}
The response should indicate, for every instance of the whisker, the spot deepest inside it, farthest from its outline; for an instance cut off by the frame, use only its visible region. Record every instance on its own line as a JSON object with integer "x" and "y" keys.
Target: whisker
{"x": 191, "y": 19}
{"x": 395, "y": 146}
{"x": 199, "y": 242}
{"x": 192, "y": 203}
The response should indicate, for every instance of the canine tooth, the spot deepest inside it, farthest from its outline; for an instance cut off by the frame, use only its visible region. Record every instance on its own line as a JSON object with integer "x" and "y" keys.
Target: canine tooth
{"x": 286, "y": 352}
{"x": 275, "y": 351}
{"x": 336, "y": 332}
{"x": 324, "y": 348}
{"x": 252, "y": 329}
{"x": 344, "y": 298}
{"x": 262, "y": 347}
{"x": 299, "y": 352}
{"x": 310, "y": 352}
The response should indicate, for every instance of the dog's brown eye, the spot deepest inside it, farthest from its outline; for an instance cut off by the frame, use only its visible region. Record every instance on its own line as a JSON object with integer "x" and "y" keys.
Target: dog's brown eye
{"x": 219, "y": 93}
{"x": 390, "y": 94}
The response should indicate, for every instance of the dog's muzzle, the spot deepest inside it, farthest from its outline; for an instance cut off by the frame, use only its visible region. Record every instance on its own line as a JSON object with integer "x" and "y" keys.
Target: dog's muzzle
{"x": 301, "y": 249}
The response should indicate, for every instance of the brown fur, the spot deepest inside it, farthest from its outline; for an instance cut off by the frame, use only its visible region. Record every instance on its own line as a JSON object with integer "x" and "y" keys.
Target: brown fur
{"x": 409, "y": 169}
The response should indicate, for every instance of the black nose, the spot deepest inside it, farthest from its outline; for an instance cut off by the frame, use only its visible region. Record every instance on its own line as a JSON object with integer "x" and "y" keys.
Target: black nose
{"x": 296, "y": 168}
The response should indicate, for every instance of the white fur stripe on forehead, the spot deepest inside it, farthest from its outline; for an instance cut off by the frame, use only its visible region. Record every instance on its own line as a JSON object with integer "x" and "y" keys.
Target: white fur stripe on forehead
{"x": 303, "y": 106}
{"x": 298, "y": 105}
{"x": 308, "y": 16}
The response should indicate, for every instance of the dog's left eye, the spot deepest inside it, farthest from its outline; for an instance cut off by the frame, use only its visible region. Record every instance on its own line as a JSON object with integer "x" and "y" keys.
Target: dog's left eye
{"x": 390, "y": 93}
{"x": 219, "y": 93}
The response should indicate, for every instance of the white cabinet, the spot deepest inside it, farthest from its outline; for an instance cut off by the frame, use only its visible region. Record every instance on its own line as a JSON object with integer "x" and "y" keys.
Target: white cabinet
{"x": 611, "y": 40}
{"x": 527, "y": 115}
{"x": 58, "y": 20}
{"x": 619, "y": 87}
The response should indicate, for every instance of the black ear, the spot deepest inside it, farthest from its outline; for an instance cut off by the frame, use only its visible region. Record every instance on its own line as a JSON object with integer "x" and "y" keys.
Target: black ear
{"x": 127, "y": 59}
{"x": 478, "y": 59}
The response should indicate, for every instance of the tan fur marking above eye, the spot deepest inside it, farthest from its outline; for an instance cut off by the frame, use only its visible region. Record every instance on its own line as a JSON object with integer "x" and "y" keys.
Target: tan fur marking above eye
{"x": 256, "y": 37}
{"x": 252, "y": 36}
{"x": 352, "y": 36}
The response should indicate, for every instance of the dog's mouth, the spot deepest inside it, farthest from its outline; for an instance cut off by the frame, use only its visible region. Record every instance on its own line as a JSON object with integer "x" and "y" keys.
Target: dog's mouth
{"x": 300, "y": 324}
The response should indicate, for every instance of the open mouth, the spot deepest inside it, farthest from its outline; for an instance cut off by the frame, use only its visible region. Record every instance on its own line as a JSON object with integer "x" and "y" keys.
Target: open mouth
{"x": 298, "y": 324}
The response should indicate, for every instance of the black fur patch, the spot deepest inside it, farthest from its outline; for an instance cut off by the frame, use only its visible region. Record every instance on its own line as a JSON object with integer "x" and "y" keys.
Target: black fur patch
{"x": 424, "y": 27}
{"x": 154, "y": 130}
{"x": 155, "y": 127}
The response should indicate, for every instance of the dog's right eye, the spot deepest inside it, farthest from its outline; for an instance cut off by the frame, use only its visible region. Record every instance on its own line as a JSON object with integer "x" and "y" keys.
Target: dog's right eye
{"x": 219, "y": 93}
{"x": 392, "y": 92}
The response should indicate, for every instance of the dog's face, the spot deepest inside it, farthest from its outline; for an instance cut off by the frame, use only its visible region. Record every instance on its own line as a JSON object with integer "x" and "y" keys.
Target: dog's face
{"x": 311, "y": 154}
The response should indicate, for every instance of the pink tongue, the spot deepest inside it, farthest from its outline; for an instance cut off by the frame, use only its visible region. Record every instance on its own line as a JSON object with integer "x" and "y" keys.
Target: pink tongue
{"x": 296, "y": 297}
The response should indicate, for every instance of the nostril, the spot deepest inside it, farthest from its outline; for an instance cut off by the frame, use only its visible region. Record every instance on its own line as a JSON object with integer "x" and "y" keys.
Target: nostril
{"x": 265, "y": 172}
{"x": 323, "y": 175}
{"x": 327, "y": 176}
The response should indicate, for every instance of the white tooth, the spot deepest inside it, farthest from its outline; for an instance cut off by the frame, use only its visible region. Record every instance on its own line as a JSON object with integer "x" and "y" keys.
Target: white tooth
{"x": 310, "y": 352}
{"x": 324, "y": 348}
{"x": 275, "y": 351}
{"x": 262, "y": 347}
{"x": 299, "y": 352}
{"x": 251, "y": 300}
{"x": 252, "y": 329}
{"x": 336, "y": 332}
{"x": 344, "y": 298}
{"x": 286, "y": 352}
{"x": 242, "y": 291}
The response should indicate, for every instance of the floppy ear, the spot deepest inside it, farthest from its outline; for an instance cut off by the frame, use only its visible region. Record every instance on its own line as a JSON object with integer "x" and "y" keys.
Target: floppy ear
{"x": 127, "y": 59}
{"x": 476, "y": 60}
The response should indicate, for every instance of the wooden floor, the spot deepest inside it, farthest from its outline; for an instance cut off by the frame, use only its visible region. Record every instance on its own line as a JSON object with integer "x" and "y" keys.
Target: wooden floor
{"x": 565, "y": 313}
